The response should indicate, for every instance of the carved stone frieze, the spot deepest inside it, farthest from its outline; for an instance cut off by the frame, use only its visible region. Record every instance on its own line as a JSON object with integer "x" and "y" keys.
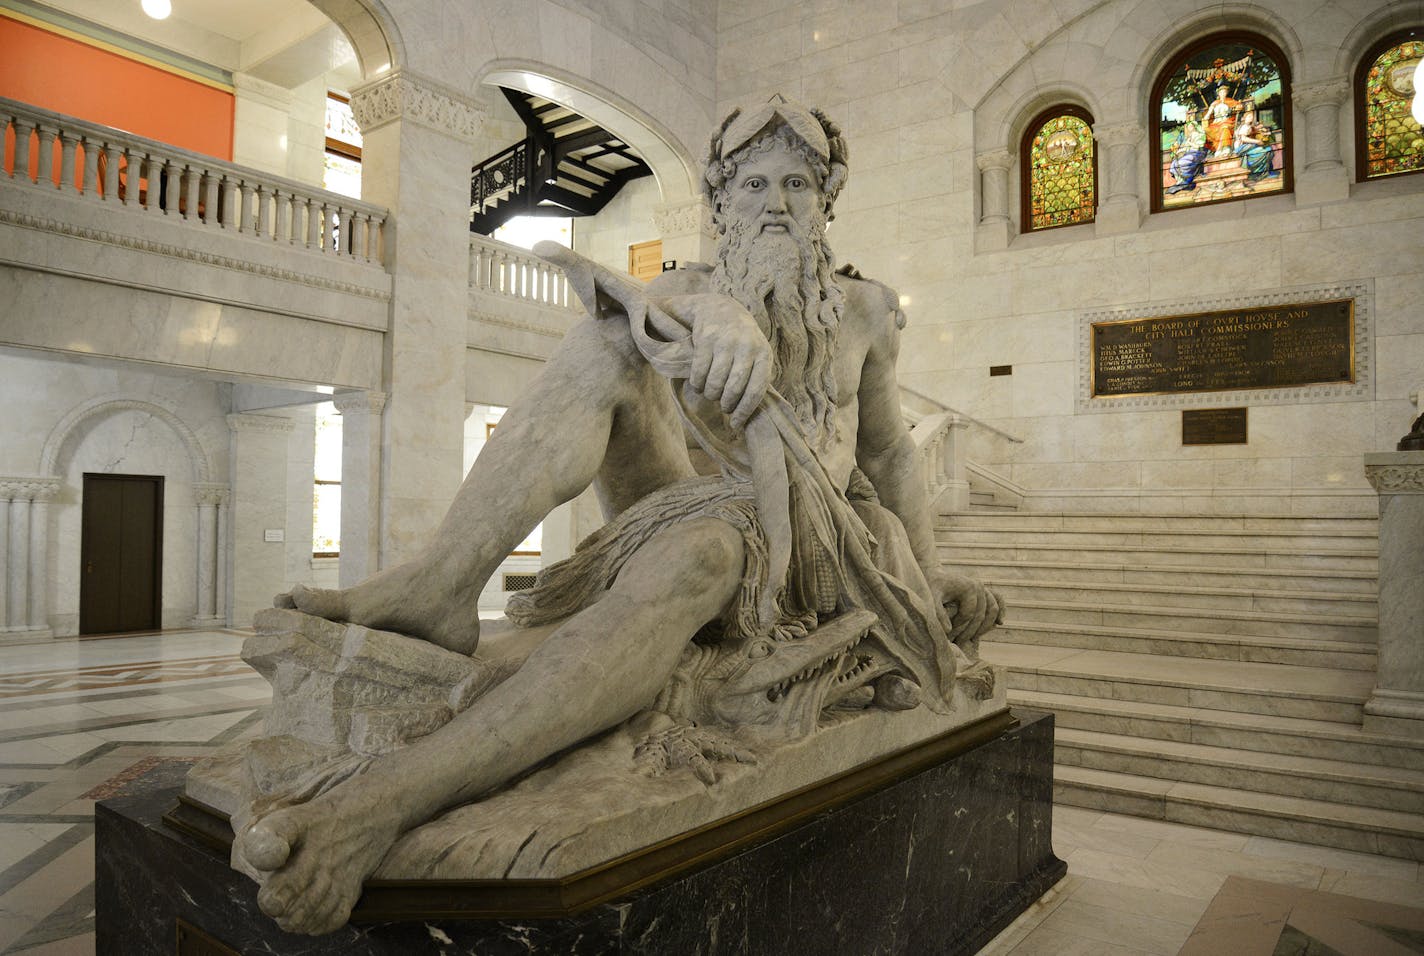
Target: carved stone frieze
{"x": 211, "y": 492}
{"x": 243, "y": 422}
{"x": 405, "y": 96}
{"x": 1330, "y": 92}
{"x": 1396, "y": 479}
{"x": 355, "y": 403}
{"x": 193, "y": 255}
{"x": 28, "y": 489}
{"x": 681, "y": 218}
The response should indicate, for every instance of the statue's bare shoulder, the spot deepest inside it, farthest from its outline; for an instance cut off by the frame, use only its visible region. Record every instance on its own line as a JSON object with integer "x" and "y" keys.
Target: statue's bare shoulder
{"x": 689, "y": 279}
{"x": 872, "y": 313}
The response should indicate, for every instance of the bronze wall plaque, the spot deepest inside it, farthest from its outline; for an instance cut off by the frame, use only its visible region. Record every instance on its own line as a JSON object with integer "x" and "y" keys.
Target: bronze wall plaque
{"x": 1273, "y": 346}
{"x": 1213, "y": 426}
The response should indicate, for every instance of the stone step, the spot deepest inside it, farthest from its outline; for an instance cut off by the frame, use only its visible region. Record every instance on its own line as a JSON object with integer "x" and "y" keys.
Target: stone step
{"x": 1347, "y": 826}
{"x": 1346, "y": 655}
{"x": 1263, "y": 733}
{"x": 1335, "y": 604}
{"x": 1332, "y": 627}
{"x": 1317, "y": 693}
{"x": 1366, "y": 560}
{"x": 1336, "y": 781}
{"x": 1353, "y": 582}
{"x": 1142, "y": 521}
{"x": 1310, "y": 542}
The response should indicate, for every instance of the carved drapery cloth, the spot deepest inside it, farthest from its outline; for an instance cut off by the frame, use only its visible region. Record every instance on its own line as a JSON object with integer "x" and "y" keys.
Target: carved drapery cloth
{"x": 800, "y": 509}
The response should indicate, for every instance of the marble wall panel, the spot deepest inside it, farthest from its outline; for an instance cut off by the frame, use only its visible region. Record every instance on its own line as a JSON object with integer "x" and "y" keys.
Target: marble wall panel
{"x": 1397, "y": 304}
{"x": 1042, "y": 388}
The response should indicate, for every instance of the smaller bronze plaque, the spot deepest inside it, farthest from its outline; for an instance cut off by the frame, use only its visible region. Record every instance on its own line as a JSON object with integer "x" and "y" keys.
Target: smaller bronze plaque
{"x": 1214, "y": 426}
{"x": 194, "y": 942}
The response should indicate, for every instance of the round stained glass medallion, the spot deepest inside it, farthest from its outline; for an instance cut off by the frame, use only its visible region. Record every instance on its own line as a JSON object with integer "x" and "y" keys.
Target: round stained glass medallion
{"x": 1400, "y": 78}
{"x": 1062, "y": 146}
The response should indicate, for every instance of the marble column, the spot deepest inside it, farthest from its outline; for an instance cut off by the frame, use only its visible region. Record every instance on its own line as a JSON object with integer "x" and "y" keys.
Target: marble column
{"x": 1323, "y": 178}
{"x": 418, "y": 144}
{"x": 1119, "y": 202}
{"x": 24, "y": 606}
{"x": 1397, "y": 704}
{"x": 360, "y": 484}
{"x": 686, "y": 230}
{"x": 995, "y": 227}
{"x": 259, "y": 504}
{"x": 211, "y": 499}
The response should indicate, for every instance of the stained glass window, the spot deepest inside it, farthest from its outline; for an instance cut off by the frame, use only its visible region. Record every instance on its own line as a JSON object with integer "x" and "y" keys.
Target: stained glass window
{"x": 1391, "y": 140}
{"x": 1222, "y": 123}
{"x": 1060, "y": 169}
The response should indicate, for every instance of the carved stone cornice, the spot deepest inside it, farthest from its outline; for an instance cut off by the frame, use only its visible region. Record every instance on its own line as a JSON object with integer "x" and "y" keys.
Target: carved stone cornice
{"x": 1119, "y": 134}
{"x": 244, "y": 422}
{"x": 1396, "y": 473}
{"x": 681, "y": 218}
{"x": 211, "y": 493}
{"x": 1330, "y": 92}
{"x": 405, "y": 96}
{"x": 193, "y": 255}
{"x": 355, "y": 403}
{"x": 28, "y": 489}
{"x": 994, "y": 159}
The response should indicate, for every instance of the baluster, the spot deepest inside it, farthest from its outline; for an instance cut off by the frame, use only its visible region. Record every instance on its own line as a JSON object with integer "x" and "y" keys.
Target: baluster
{"x": 330, "y": 217}
{"x": 348, "y": 240}
{"x": 229, "y": 201}
{"x": 92, "y": 186}
{"x": 5, "y": 120}
{"x": 264, "y": 211}
{"x": 109, "y": 188}
{"x": 45, "y": 170}
{"x": 23, "y": 129}
{"x": 210, "y": 197}
{"x": 67, "y": 145}
{"x": 294, "y": 219}
{"x": 170, "y": 179}
{"x": 139, "y": 180}
{"x": 313, "y": 236}
{"x": 242, "y": 208}
{"x": 281, "y": 204}
{"x": 191, "y": 176}
{"x": 361, "y": 237}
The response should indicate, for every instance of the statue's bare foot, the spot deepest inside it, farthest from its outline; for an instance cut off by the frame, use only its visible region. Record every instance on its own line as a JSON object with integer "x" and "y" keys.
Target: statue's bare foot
{"x": 407, "y": 599}
{"x": 318, "y": 854}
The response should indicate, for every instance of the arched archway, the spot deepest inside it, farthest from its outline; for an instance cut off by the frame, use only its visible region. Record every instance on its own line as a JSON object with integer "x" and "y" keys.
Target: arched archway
{"x": 103, "y": 407}
{"x": 371, "y": 31}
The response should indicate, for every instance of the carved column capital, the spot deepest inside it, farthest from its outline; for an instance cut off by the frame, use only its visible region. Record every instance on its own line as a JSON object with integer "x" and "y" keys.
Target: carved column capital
{"x": 211, "y": 493}
{"x": 28, "y": 489}
{"x": 1396, "y": 472}
{"x": 1119, "y": 134}
{"x": 994, "y": 159}
{"x": 355, "y": 403}
{"x": 406, "y": 96}
{"x": 244, "y": 422}
{"x": 682, "y": 218}
{"x": 1331, "y": 92}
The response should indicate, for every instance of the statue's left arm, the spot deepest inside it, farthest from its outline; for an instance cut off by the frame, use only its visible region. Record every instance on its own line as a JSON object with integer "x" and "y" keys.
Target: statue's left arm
{"x": 886, "y": 454}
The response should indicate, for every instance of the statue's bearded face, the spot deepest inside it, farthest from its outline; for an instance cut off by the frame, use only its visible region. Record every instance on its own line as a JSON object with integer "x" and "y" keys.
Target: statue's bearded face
{"x": 773, "y": 259}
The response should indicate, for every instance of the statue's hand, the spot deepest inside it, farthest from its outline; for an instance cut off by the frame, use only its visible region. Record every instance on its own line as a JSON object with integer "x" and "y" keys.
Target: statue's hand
{"x": 975, "y": 608}
{"x": 731, "y": 358}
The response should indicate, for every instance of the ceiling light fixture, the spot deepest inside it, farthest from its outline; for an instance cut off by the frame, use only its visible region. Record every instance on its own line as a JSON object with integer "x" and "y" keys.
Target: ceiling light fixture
{"x": 158, "y": 9}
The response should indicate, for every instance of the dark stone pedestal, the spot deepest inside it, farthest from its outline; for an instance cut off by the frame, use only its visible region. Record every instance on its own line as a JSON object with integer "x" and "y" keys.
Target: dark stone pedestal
{"x": 938, "y": 861}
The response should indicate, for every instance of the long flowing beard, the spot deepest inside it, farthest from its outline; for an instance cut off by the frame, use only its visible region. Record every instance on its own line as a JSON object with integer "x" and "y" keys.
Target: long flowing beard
{"x": 788, "y": 281}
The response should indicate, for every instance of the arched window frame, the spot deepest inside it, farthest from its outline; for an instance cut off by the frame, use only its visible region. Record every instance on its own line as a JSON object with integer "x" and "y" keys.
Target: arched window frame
{"x": 1026, "y": 167}
{"x": 1154, "y": 107}
{"x": 1362, "y": 70}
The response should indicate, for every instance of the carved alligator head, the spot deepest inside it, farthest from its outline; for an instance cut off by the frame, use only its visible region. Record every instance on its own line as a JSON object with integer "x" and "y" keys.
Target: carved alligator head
{"x": 774, "y": 690}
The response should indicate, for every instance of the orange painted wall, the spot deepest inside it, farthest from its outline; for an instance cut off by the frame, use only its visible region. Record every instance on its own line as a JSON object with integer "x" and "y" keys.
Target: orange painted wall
{"x": 64, "y": 75}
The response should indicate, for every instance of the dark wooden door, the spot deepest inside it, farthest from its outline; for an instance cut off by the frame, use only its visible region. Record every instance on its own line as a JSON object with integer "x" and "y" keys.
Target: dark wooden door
{"x": 121, "y": 554}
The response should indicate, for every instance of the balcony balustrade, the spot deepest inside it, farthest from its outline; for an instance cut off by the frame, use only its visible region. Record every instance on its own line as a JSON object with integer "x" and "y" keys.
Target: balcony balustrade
{"x": 46, "y": 150}
{"x": 505, "y": 270}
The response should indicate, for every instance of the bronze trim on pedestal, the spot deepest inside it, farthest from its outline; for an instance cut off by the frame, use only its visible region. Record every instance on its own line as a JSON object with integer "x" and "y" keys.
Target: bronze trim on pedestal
{"x": 570, "y": 895}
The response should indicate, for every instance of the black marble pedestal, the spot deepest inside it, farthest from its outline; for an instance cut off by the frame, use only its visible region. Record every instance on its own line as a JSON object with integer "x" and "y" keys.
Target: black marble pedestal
{"x": 935, "y": 862}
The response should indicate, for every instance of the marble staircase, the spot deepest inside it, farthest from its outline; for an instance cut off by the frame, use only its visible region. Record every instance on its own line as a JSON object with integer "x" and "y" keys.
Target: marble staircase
{"x": 1208, "y": 670}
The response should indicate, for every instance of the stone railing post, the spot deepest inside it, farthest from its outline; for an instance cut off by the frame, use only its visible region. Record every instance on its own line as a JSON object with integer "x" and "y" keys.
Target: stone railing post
{"x": 211, "y": 499}
{"x": 941, "y": 442}
{"x": 1324, "y": 177}
{"x": 1397, "y": 704}
{"x": 995, "y": 227}
{"x": 1119, "y": 205}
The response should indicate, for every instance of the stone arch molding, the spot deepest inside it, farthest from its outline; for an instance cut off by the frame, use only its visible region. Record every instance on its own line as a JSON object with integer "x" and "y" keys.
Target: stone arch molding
{"x": 106, "y": 406}
{"x": 371, "y": 31}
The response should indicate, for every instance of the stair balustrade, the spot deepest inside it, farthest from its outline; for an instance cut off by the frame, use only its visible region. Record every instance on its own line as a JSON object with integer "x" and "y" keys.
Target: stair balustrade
{"x": 127, "y": 172}
{"x": 941, "y": 439}
{"x": 505, "y": 270}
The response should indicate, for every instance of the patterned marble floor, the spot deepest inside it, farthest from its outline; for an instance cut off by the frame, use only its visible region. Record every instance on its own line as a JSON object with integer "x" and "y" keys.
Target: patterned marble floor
{"x": 79, "y": 716}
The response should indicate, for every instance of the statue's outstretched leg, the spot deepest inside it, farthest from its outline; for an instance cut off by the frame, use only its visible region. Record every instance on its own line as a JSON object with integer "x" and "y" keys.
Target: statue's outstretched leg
{"x": 600, "y": 667}
{"x": 596, "y": 411}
